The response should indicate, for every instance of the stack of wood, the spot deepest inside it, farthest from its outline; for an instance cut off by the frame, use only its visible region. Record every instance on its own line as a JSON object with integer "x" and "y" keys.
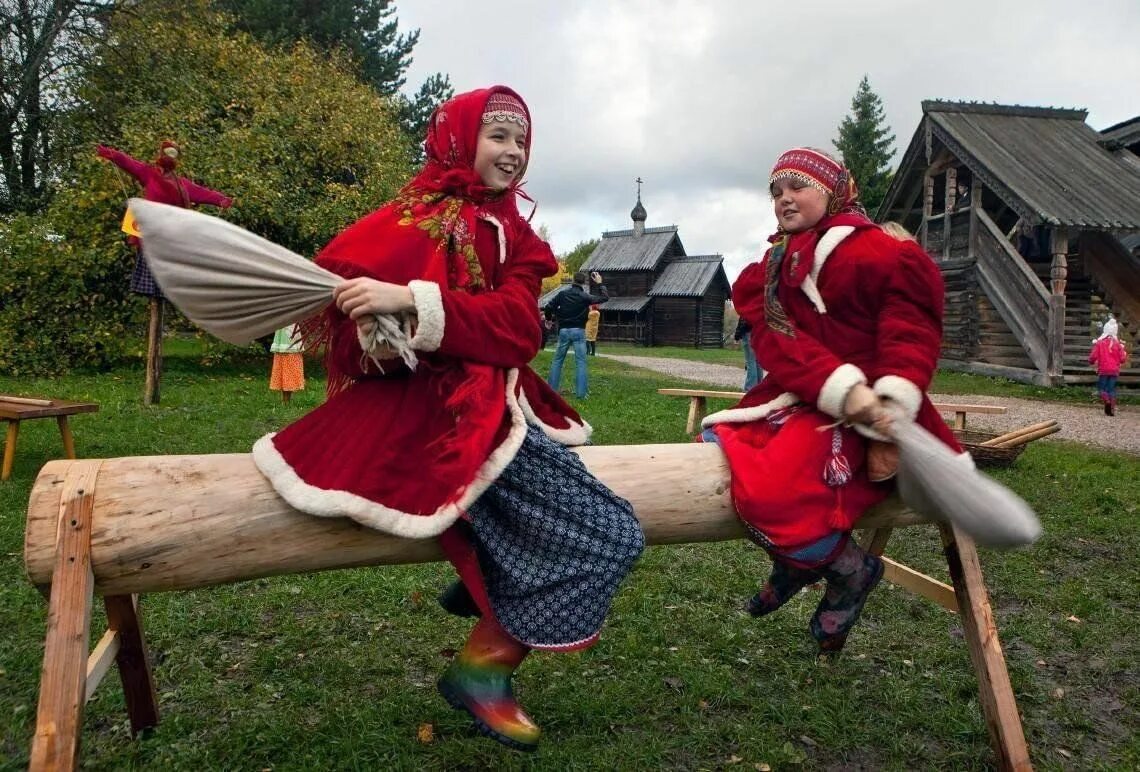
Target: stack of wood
{"x": 1004, "y": 448}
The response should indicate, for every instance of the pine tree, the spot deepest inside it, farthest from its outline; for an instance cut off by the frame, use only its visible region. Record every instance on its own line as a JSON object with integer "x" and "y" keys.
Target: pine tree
{"x": 866, "y": 144}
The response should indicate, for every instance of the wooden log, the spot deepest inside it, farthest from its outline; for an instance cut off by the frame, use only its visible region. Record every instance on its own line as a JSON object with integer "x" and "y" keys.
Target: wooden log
{"x": 178, "y": 522}
{"x": 1030, "y": 437}
{"x": 26, "y": 401}
{"x": 1002, "y": 438}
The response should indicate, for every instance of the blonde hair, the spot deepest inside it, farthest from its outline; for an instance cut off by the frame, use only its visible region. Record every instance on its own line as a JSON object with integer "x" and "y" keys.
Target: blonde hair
{"x": 895, "y": 229}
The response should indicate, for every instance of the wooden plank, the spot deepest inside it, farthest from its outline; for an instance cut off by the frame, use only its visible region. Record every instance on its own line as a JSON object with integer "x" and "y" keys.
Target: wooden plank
{"x": 994, "y": 689}
{"x": 133, "y": 661}
{"x": 59, "y": 716}
{"x": 100, "y": 661}
{"x": 920, "y": 584}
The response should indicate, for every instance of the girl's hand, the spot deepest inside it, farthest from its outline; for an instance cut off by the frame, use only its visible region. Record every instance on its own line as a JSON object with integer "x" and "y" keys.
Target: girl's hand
{"x": 358, "y": 297}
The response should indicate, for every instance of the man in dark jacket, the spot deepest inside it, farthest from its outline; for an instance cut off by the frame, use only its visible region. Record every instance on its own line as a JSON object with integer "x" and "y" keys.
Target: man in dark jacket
{"x": 570, "y": 307}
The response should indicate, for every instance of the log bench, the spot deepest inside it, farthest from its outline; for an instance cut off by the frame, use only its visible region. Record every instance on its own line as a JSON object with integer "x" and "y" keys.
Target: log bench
{"x": 120, "y": 527}
{"x": 698, "y": 406}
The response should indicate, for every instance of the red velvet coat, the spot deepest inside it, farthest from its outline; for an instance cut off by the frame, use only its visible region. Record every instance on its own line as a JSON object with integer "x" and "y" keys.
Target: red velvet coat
{"x": 392, "y": 451}
{"x": 869, "y": 312}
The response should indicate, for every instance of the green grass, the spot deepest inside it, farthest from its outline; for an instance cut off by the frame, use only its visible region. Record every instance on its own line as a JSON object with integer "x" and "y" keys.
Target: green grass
{"x": 337, "y": 670}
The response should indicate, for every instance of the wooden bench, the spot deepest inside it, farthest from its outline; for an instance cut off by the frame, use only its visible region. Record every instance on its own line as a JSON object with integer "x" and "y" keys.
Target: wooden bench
{"x": 92, "y": 530}
{"x": 698, "y": 406}
{"x": 17, "y": 409}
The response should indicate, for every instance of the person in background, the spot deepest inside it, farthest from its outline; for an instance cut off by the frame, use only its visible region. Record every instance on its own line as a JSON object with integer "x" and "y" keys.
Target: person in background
{"x": 962, "y": 200}
{"x": 593, "y": 319}
{"x": 287, "y": 374}
{"x": 571, "y": 307}
{"x": 752, "y": 372}
{"x": 1109, "y": 355}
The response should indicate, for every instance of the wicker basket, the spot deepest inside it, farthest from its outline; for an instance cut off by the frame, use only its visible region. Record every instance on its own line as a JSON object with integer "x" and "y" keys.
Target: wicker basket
{"x": 984, "y": 455}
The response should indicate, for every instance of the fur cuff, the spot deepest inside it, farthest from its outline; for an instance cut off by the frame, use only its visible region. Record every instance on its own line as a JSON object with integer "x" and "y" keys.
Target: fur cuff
{"x": 429, "y": 315}
{"x": 835, "y": 388}
{"x": 904, "y": 393}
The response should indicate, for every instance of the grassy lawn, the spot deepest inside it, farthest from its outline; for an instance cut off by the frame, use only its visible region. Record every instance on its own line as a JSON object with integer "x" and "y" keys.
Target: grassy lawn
{"x": 337, "y": 670}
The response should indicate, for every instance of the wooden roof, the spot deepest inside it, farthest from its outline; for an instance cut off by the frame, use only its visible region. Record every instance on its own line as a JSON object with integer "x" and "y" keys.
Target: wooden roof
{"x": 1047, "y": 164}
{"x": 690, "y": 276}
{"x": 1123, "y": 134}
{"x": 630, "y": 303}
{"x": 622, "y": 251}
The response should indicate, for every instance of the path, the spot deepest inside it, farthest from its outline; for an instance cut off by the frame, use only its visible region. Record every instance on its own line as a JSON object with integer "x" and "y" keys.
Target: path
{"x": 1079, "y": 423}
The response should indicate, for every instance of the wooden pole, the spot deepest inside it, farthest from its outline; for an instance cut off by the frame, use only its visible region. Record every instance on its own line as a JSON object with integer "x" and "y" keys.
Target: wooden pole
{"x": 1001, "y": 438}
{"x": 1030, "y": 436}
{"x": 177, "y": 522}
{"x": 1058, "y": 276}
{"x": 151, "y": 395}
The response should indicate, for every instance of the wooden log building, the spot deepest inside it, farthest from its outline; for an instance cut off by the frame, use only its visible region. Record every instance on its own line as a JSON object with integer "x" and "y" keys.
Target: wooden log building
{"x": 1025, "y": 304}
{"x": 659, "y": 296}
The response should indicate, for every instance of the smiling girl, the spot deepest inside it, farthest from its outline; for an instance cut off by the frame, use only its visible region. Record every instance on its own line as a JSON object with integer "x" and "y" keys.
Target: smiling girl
{"x": 847, "y": 320}
{"x": 467, "y": 445}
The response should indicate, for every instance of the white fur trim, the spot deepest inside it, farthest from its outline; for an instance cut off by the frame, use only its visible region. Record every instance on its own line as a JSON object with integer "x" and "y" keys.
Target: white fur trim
{"x": 742, "y": 415}
{"x": 576, "y": 434}
{"x": 903, "y": 392}
{"x": 429, "y": 315}
{"x": 322, "y": 502}
{"x": 812, "y": 291}
{"x": 502, "y": 234}
{"x": 826, "y": 245}
{"x": 835, "y": 388}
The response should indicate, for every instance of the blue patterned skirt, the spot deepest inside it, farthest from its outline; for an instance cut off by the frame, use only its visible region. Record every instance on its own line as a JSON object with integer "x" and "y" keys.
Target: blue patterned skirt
{"x": 553, "y": 544}
{"x": 142, "y": 280}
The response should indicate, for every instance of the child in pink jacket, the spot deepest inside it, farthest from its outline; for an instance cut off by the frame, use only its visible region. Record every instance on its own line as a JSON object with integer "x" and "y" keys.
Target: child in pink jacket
{"x": 1108, "y": 355}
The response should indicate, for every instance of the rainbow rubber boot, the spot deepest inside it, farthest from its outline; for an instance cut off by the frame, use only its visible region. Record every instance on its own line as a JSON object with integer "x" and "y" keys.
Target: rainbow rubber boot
{"x": 479, "y": 682}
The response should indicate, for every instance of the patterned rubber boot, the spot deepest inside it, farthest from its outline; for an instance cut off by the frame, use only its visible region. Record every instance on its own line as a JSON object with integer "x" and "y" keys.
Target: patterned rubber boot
{"x": 479, "y": 682}
{"x": 850, "y": 579}
{"x": 786, "y": 580}
{"x": 458, "y": 601}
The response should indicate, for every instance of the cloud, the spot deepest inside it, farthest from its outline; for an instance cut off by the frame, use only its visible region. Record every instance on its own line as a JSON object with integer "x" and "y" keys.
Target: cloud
{"x": 698, "y": 98}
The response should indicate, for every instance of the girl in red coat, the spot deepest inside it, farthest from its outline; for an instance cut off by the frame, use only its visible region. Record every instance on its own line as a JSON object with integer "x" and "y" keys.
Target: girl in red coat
{"x": 846, "y": 320}
{"x": 460, "y": 439}
{"x": 1108, "y": 355}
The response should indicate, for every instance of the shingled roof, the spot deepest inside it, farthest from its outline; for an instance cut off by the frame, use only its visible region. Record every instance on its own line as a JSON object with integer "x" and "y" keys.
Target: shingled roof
{"x": 689, "y": 276}
{"x": 1123, "y": 134}
{"x": 623, "y": 251}
{"x": 1047, "y": 164}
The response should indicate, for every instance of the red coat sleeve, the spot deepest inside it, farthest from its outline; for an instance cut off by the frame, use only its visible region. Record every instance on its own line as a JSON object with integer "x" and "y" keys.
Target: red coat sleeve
{"x": 909, "y": 337}
{"x": 797, "y": 361}
{"x": 200, "y": 194}
{"x": 500, "y": 327}
{"x": 132, "y": 166}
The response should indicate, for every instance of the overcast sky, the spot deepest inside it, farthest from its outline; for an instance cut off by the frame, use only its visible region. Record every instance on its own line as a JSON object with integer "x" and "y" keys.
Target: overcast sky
{"x": 700, "y": 97}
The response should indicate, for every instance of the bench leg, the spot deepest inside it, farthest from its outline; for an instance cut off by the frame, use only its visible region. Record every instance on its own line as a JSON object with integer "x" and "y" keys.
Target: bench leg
{"x": 960, "y": 420}
{"x": 697, "y": 408}
{"x": 994, "y": 688}
{"x": 63, "y": 686}
{"x": 133, "y": 661}
{"x": 10, "y": 448}
{"x": 65, "y": 432}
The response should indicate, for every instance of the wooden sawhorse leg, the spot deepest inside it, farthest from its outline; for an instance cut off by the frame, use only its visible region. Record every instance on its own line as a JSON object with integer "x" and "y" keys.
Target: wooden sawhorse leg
{"x": 10, "y": 448}
{"x": 69, "y": 675}
{"x": 994, "y": 689}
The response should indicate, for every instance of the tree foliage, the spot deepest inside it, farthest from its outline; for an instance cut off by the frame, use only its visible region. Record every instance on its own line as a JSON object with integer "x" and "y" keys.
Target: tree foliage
{"x": 866, "y": 144}
{"x": 300, "y": 144}
{"x": 365, "y": 30}
{"x": 577, "y": 257}
{"x": 42, "y": 42}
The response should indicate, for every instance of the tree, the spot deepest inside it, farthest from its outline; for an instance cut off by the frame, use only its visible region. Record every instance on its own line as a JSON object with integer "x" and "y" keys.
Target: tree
{"x": 367, "y": 31}
{"x": 41, "y": 44}
{"x": 577, "y": 257}
{"x": 865, "y": 142}
{"x": 302, "y": 146}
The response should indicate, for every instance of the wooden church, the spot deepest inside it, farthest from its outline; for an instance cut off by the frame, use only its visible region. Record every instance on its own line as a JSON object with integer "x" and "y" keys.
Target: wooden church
{"x": 659, "y": 296}
{"x": 1033, "y": 217}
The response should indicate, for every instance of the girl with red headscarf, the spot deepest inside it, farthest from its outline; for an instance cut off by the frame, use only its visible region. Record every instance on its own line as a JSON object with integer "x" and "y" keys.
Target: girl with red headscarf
{"x": 459, "y": 439}
{"x": 846, "y": 320}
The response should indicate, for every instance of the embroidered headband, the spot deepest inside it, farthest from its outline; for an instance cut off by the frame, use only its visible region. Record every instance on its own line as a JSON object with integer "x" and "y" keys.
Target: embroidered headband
{"x": 811, "y": 167}
{"x": 504, "y": 107}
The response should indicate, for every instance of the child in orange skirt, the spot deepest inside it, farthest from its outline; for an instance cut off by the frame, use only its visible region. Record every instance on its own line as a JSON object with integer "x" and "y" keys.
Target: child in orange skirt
{"x": 288, "y": 372}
